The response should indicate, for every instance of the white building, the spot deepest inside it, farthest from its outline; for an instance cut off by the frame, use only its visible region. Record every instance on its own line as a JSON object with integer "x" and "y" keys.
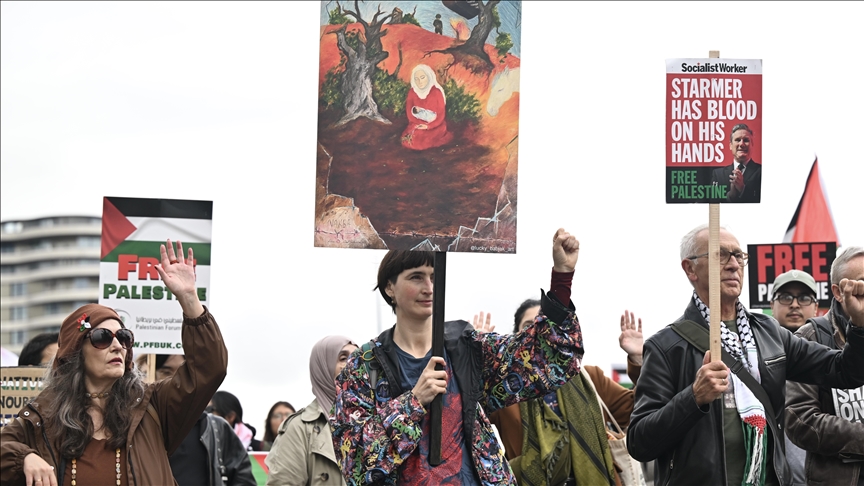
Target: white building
{"x": 48, "y": 268}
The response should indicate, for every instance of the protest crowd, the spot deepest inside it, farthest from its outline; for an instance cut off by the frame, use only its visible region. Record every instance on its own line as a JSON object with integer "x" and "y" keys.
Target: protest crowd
{"x": 516, "y": 407}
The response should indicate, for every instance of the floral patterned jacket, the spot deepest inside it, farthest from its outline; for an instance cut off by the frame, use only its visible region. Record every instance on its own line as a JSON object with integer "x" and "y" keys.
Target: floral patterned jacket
{"x": 376, "y": 430}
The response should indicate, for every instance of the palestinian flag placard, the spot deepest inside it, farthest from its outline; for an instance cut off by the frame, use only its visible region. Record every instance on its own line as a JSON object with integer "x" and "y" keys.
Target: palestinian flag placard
{"x": 132, "y": 231}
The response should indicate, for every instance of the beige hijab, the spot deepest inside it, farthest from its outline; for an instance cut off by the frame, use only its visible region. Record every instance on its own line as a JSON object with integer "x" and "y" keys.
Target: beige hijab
{"x": 433, "y": 81}
{"x": 322, "y": 367}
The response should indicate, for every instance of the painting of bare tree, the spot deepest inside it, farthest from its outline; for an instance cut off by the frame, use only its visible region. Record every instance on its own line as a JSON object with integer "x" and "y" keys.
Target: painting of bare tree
{"x": 418, "y": 125}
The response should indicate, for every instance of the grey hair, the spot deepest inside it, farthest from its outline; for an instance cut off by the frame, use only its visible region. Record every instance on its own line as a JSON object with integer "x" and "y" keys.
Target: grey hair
{"x": 688, "y": 242}
{"x": 838, "y": 268}
{"x": 740, "y": 126}
{"x": 66, "y": 416}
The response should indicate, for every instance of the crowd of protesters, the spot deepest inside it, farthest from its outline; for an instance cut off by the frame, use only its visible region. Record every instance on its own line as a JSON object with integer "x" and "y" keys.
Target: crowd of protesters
{"x": 517, "y": 407}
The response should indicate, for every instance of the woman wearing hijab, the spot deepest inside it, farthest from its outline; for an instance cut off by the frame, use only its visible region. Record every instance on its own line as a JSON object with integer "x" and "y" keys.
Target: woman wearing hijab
{"x": 425, "y": 106}
{"x": 96, "y": 422}
{"x": 302, "y": 453}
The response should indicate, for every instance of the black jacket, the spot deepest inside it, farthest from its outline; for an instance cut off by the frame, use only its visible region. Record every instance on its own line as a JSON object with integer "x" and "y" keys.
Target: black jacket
{"x": 752, "y": 181}
{"x": 228, "y": 462}
{"x": 686, "y": 440}
{"x": 835, "y": 445}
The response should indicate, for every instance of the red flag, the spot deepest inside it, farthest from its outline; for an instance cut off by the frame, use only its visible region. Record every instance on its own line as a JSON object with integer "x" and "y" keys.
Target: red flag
{"x": 115, "y": 227}
{"x": 812, "y": 220}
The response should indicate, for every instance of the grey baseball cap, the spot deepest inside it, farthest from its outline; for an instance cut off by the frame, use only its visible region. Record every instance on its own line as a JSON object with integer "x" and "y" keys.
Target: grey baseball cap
{"x": 794, "y": 276}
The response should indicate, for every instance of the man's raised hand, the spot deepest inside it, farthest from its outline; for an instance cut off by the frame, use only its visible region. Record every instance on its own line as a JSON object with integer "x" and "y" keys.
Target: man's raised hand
{"x": 852, "y": 292}
{"x": 630, "y": 339}
{"x": 483, "y": 326}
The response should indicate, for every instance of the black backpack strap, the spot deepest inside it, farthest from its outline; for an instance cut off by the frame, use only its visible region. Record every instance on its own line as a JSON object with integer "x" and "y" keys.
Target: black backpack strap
{"x": 823, "y": 329}
{"x": 372, "y": 365}
{"x": 699, "y": 337}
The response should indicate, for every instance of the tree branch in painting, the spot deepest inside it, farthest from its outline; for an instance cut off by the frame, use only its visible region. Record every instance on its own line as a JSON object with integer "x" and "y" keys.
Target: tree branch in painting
{"x": 361, "y": 60}
{"x": 472, "y": 53}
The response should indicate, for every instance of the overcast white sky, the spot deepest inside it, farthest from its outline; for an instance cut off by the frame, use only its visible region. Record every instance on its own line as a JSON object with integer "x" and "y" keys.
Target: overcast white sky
{"x": 217, "y": 101}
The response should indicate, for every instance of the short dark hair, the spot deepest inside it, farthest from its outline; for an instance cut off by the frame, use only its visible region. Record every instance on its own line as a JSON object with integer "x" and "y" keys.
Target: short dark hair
{"x": 225, "y": 403}
{"x": 740, "y": 126}
{"x": 517, "y": 318}
{"x": 396, "y": 262}
{"x": 161, "y": 359}
{"x": 31, "y": 355}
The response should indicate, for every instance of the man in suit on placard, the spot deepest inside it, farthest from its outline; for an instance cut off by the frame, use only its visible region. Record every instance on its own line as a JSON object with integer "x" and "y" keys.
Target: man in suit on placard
{"x": 744, "y": 175}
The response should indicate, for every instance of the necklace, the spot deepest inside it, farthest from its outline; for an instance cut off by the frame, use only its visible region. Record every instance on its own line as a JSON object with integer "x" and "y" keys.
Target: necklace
{"x": 96, "y": 395}
{"x": 117, "y": 468}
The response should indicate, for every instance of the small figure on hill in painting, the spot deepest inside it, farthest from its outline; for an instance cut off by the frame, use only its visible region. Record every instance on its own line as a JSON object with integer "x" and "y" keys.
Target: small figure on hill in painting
{"x": 439, "y": 26}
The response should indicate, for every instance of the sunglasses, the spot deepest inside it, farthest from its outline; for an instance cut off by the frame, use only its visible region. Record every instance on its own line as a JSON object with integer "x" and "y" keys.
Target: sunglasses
{"x": 101, "y": 338}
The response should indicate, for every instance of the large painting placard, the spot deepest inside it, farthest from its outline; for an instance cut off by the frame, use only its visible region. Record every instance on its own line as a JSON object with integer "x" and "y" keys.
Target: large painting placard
{"x": 767, "y": 261}
{"x": 132, "y": 231}
{"x": 418, "y": 118}
{"x": 713, "y": 130}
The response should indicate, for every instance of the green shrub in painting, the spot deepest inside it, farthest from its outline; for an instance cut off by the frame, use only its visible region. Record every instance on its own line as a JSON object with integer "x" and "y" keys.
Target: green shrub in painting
{"x": 461, "y": 105}
{"x": 337, "y": 17}
{"x": 389, "y": 92}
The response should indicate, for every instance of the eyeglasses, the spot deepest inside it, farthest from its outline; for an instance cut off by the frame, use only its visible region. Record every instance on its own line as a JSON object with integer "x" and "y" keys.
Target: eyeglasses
{"x": 101, "y": 338}
{"x": 726, "y": 255}
{"x": 803, "y": 300}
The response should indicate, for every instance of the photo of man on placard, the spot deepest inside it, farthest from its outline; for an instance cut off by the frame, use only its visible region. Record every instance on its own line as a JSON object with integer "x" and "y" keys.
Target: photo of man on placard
{"x": 744, "y": 175}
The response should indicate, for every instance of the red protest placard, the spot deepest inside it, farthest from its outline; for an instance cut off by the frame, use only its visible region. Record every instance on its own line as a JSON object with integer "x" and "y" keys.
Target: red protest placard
{"x": 770, "y": 260}
{"x": 713, "y": 130}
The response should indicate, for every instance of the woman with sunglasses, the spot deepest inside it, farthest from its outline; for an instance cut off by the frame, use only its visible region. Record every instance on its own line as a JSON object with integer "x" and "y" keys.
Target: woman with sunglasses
{"x": 96, "y": 421}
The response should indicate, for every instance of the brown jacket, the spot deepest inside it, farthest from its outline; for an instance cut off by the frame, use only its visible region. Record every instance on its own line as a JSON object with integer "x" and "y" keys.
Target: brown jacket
{"x": 618, "y": 399}
{"x": 177, "y": 402}
{"x": 812, "y": 424}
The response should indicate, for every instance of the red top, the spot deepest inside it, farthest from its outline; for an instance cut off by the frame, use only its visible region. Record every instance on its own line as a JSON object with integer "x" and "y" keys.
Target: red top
{"x": 436, "y": 133}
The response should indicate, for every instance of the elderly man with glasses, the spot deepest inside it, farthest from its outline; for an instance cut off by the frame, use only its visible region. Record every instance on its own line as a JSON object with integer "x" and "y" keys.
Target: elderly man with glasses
{"x": 679, "y": 421}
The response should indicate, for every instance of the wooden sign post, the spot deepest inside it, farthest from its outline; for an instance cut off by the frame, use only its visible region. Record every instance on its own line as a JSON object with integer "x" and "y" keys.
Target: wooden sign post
{"x": 714, "y": 269}
{"x": 151, "y": 368}
{"x": 714, "y": 278}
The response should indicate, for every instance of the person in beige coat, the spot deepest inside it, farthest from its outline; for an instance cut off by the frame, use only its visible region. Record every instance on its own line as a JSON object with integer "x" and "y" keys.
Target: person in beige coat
{"x": 302, "y": 453}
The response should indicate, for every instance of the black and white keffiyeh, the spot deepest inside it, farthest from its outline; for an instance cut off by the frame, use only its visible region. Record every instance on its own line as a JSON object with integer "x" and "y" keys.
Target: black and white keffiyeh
{"x": 742, "y": 347}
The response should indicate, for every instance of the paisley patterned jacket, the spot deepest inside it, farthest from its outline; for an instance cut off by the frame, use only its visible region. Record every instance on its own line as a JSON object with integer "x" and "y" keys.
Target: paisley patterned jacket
{"x": 376, "y": 430}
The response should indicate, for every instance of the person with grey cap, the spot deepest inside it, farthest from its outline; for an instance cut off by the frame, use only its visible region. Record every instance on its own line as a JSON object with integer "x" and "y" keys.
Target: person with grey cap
{"x": 828, "y": 422}
{"x": 793, "y": 299}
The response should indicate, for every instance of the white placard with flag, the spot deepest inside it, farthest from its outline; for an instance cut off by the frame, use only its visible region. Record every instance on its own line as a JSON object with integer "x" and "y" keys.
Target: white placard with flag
{"x": 132, "y": 231}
